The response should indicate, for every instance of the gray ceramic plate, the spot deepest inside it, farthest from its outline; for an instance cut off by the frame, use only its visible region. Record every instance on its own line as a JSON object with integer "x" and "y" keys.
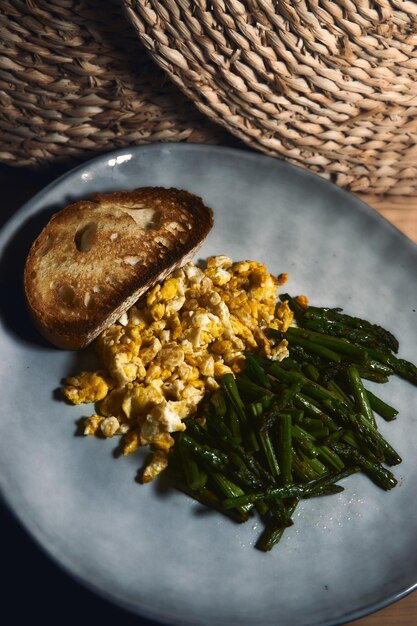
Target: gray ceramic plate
{"x": 155, "y": 552}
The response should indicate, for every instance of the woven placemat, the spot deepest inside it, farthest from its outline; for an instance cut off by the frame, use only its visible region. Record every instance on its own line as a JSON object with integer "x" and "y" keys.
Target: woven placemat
{"x": 75, "y": 81}
{"x": 329, "y": 85}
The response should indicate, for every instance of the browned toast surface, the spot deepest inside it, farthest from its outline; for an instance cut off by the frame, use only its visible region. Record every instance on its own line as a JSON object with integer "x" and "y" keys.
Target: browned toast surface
{"x": 96, "y": 257}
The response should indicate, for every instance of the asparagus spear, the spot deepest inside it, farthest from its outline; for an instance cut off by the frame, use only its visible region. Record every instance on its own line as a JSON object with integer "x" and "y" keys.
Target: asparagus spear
{"x": 231, "y": 392}
{"x": 382, "y": 408}
{"x": 335, "y": 344}
{"x": 359, "y": 393}
{"x": 308, "y": 490}
{"x": 274, "y": 530}
{"x": 384, "y": 336}
{"x": 381, "y": 476}
{"x": 284, "y": 447}
{"x": 195, "y": 478}
{"x": 314, "y": 347}
{"x": 280, "y": 404}
{"x": 322, "y": 452}
{"x": 306, "y": 468}
{"x": 404, "y": 369}
{"x": 256, "y": 409}
{"x": 256, "y": 372}
{"x": 336, "y": 329}
{"x": 231, "y": 490}
{"x": 208, "y": 498}
{"x": 361, "y": 355}
{"x": 369, "y": 437}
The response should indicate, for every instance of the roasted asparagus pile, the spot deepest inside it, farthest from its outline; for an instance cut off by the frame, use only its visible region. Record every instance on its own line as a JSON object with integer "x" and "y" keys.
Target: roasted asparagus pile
{"x": 282, "y": 431}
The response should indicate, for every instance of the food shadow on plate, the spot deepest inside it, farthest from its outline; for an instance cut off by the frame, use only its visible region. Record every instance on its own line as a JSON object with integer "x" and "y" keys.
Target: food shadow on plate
{"x": 13, "y": 310}
{"x": 79, "y": 361}
{"x": 165, "y": 485}
{"x": 87, "y": 360}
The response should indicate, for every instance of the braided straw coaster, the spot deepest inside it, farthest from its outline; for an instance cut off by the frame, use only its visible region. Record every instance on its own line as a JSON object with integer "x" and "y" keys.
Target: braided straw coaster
{"x": 75, "y": 80}
{"x": 329, "y": 85}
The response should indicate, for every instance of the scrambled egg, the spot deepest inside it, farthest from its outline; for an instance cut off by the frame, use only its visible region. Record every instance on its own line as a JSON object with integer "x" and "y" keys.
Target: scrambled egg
{"x": 172, "y": 346}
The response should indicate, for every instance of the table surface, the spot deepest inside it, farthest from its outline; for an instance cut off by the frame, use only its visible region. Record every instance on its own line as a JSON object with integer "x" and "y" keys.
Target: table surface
{"x": 26, "y": 565}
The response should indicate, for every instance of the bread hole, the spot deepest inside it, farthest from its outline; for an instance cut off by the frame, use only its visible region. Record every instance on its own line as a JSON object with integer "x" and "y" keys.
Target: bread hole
{"x": 88, "y": 300}
{"x": 131, "y": 260}
{"x": 162, "y": 241}
{"x": 33, "y": 274}
{"x": 47, "y": 245}
{"x": 173, "y": 227}
{"x": 84, "y": 237}
{"x": 66, "y": 294}
{"x": 145, "y": 218}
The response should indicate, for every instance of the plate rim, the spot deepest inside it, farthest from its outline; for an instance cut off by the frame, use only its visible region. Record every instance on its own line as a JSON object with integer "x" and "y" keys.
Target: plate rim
{"x": 184, "y": 146}
{"x": 35, "y": 534}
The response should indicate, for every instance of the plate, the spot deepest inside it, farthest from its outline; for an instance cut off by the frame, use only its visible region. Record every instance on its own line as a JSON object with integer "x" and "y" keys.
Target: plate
{"x": 154, "y": 551}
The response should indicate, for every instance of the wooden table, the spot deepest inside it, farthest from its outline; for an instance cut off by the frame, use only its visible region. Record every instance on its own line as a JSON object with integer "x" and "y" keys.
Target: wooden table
{"x": 400, "y": 211}
{"x": 27, "y": 567}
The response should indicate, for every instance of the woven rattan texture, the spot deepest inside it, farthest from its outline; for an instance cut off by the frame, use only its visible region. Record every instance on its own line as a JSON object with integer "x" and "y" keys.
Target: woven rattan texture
{"x": 328, "y": 85}
{"x": 75, "y": 81}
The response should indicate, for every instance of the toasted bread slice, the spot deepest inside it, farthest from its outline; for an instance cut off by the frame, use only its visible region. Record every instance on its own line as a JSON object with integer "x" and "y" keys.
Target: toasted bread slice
{"x": 96, "y": 257}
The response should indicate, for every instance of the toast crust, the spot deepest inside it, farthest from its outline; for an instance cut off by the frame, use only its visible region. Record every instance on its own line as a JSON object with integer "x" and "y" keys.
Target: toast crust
{"x": 96, "y": 257}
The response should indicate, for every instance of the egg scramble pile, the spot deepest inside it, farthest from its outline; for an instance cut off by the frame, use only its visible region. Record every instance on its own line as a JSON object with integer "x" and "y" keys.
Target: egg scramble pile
{"x": 172, "y": 346}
